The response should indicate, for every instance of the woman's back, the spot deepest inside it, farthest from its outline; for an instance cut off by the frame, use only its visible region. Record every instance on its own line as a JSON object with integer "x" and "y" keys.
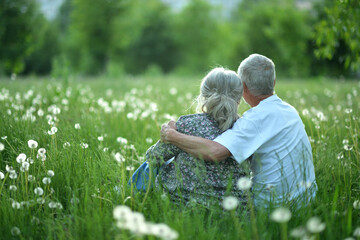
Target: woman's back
{"x": 190, "y": 178}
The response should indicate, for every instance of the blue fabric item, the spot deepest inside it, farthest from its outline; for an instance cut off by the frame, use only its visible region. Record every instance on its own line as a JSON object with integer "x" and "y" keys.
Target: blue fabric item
{"x": 140, "y": 179}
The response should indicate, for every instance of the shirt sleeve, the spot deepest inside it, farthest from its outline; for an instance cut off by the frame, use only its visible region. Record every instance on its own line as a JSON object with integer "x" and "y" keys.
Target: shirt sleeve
{"x": 242, "y": 140}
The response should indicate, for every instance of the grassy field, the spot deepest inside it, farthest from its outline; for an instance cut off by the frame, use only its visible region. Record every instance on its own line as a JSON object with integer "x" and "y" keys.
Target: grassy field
{"x": 96, "y": 131}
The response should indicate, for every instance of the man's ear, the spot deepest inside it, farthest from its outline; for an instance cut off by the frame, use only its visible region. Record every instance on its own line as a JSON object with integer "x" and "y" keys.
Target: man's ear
{"x": 245, "y": 87}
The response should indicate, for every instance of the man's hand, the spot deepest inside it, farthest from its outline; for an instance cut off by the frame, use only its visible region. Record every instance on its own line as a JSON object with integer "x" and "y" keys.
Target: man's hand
{"x": 166, "y": 131}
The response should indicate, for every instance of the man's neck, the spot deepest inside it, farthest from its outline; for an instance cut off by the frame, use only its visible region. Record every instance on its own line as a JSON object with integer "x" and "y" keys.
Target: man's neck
{"x": 257, "y": 99}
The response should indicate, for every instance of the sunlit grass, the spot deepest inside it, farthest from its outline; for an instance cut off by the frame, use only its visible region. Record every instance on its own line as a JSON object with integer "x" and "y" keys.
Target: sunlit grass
{"x": 104, "y": 127}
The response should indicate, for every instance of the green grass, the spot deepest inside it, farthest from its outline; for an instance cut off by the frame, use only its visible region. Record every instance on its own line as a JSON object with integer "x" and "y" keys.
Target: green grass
{"x": 134, "y": 109}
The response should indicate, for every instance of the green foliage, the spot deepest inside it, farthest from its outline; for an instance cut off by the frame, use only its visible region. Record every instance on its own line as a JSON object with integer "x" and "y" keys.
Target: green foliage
{"x": 143, "y": 36}
{"x": 89, "y": 34}
{"x": 85, "y": 178}
{"x": 340, "y": 29}
{"x": 17, "y": 29}
{"x": 276, "y": 29}
{"x": 197, "y": 34}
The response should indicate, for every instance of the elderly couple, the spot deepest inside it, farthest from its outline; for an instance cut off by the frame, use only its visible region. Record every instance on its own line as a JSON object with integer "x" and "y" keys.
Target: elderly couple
{"x": 209, "y": 149}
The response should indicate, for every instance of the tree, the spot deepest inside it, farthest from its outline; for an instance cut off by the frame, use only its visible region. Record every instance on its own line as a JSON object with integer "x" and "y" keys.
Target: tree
{"x": 88, "y": 41}
{"x": 16, "y": 33}
{"x": 143, "y": 37}
{"x": 197, "y": 34}
{"x": 276, "y": 29}
{"x": 340, "y": 30}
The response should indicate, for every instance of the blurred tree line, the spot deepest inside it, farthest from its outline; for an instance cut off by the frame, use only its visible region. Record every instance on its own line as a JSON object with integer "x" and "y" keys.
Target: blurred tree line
{"x": 115, "y": 37}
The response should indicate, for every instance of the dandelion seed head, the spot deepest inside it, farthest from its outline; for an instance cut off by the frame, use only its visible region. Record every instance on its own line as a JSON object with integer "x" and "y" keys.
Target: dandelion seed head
{"x": 2, "y": 147}
{"x": 121, "y": 212}
{"x": 2, "y": 175}
{"x": 46, "y": 180}
{"x": 38, "y": 191}
{"x": 31, "y": 178}
{"x": 149, "y": 140}
{"x": 314, "y": 225}
{"x": 12, "y": 188}
{"x": 50, "y": 173}
{"x": 25, "y": 166}
{"x": 298, "y": 232}
{"x": 15, "y": 205}
{"x": 52, "y": 205}
{"x": 244, "y": 183}
{"x": 230, "y": 203}
{"x": 32, "y": 144}
{"x": 130, "y": 168}
{"x": 35, "y": 220}
{"x": 21, "y": 158}
{"x": 13, "y": 174}
{"x": 119, "y": 157}
{"x": 281, "y": 215}
{"x": 42, "y": 151}
{"x": 66, "y": 145}
{"x": 15, "y": 231}
{"x": 77, "y": 126}
{"x": 173, "y": 91}
{"x": 122, "y": 140}
{"x": 40, "y": 200}
{"x": 42, "y": 157}
{"x": 356, "y": 232}
{"x": 84, "y": 145}
{"x": 356, "y": 204}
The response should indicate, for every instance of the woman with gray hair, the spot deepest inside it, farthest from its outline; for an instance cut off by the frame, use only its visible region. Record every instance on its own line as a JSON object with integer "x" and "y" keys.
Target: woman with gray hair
{"x": 186, "y": 178}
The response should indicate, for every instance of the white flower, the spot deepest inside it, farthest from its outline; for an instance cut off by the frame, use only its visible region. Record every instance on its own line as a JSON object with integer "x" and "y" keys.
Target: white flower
{"x": 24, "y": 166}
{"x": 16, "y": 205}
{"x": 42, "y": 151}
{"x": 32, "y": 144}
{"x": 38, "y": 191}
{"x": 314, "y": 225}
{"x": 52, "y": 204}
{"x": 21, "y": 158}
{"x": 173, "y": 91}
{"x": 119, "y": 158}
{"x": 66, "y": 144}
{"x": 230, "y": 203}
{"x": 12, "y": 174}
{"x": 84, "y": 145}
{"x": 12, "y": 188}
{"x": 77, "y": 126}
{"x": 101, "y": 138}
{"x": 15, "y": 231}
{"x": 281, "y": 215}
{"x": 31, "y": 178}
{"x": 356, "y": 204}
{"x": 130, "y": 168}
{"x": 122, "y": 140}
{"x": 50, "y": 173}
{"x": 46, "y": 180}
{"x": 298, "y": 232}
{"x": 244, "y": 183}
{"x": 2, "y": 175}
{"x": 2, "y": 147}
{"x": 357, "y": 232}
{"x": 121, "y": 212}
{"x": 42, "y": 157}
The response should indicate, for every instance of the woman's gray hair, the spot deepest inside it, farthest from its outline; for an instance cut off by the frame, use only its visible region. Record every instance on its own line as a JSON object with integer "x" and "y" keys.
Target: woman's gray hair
{"x": 220, "y": 94}
{"x": 258, "y": 73}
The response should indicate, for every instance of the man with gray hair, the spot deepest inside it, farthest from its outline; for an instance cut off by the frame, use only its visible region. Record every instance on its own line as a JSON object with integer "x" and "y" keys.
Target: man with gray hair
{"x": 270, "y": 134}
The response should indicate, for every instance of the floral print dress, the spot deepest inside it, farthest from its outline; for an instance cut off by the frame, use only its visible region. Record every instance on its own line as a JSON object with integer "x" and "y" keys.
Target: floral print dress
{"x": 191, "y": 179}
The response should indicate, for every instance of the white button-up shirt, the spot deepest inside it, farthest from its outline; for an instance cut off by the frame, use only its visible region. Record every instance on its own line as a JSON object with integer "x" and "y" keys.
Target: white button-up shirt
{"x": 273, "y": 134}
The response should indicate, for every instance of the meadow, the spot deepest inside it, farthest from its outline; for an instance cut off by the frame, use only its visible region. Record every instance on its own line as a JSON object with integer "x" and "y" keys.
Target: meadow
{"x": 69, "y": 146}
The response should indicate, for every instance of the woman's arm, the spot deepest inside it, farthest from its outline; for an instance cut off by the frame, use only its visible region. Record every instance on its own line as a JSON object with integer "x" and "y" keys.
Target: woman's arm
{"x": 161, "y": 152}
{"x": 198, "y": 147}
